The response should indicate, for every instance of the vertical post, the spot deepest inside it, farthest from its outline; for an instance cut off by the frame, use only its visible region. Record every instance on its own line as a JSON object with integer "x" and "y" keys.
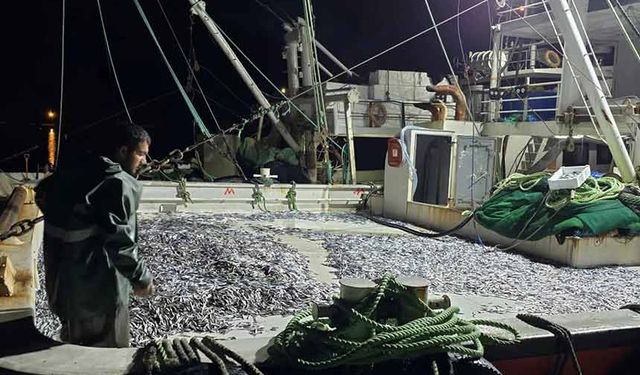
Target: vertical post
{"x": 352, "y": 151}
{"x": 591, "y": 84}
{"x": 527, "y": 81}
{"x": 260, "y": 123}
{"x": 306, "y": 56}
{"x": 569, "y": 94}
{"x": 292, "y": 40}
{"x": 636, "y": 147}
{"x": 494, "y": 105}
{"x": 316, "y": 81}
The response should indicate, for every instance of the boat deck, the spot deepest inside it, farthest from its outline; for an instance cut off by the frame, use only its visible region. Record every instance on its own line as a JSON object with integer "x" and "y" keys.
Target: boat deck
{"x": 229, "y": 273}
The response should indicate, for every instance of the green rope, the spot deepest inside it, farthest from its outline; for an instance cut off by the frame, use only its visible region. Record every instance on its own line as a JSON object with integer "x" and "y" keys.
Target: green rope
{"x": 592, "y": 190}
{"x": 258, "y": 200}
{"x": 182, "y": 191}
{"x": 291, "y": 198}
{"x": 360, "y": 335}
{"x": 521, "y": 181}
{"x": 346, "y": 166}
{"x": 193, "y": 110}
{"x": 200, "y": 164}
{"x": 329, "y": 172}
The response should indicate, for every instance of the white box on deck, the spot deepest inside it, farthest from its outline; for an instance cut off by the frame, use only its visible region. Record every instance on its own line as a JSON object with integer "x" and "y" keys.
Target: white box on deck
{"x": 569, "y": 177}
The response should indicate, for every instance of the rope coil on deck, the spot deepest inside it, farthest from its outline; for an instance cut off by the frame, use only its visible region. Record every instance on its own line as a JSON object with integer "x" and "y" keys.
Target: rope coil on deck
{"x": 366, "y": 334}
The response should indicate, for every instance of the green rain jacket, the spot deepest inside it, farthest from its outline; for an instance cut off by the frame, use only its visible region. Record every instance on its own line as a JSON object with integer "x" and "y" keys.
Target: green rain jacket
{"x": 90, "y": 242}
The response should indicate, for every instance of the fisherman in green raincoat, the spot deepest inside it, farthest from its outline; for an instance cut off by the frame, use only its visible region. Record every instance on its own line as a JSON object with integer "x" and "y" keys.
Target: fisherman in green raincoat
{"x": 90, "y": 243}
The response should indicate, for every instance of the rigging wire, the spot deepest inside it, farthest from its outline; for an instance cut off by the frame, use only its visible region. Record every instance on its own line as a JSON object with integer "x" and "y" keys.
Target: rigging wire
{"x": 573, "y": 74}
{"x": 186, "y": 99}
{"x": 186, "y": 59}
{"x": 290, "y": 101}
{"x": 224, "y": 107}
{"x": 490, "y": 20}
{"x": 215, "y": 120}
{"x": 470, "y": 110}
{"x": 113, "y": 67}
{"x": 90, "y": 125}
{"x": 383, "y": 52}
{"x": 624, "y": 30}
{"x": 62, "y": 50}
{"x": 626, "y": 16}
{"x": 224, "y": 86}
{"x": 270, "y": 10}
{"x": 446, "y": 56}
{"x": 593, "y": 51}
{"x": 391, "y": 48}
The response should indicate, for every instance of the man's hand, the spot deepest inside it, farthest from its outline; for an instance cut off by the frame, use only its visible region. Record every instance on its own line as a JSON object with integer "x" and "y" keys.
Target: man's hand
{"x": 145, "y": 292}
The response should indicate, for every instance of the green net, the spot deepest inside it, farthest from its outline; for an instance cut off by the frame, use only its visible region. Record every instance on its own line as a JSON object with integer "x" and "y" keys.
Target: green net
{"x": 524, "y": 208}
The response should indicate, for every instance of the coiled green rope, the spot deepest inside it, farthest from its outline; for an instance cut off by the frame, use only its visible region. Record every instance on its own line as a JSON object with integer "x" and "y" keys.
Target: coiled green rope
{"x": 325, "y": 343}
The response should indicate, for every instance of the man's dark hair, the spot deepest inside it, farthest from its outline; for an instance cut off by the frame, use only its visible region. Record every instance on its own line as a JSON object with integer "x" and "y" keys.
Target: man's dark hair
{"x": 121, "y": 134}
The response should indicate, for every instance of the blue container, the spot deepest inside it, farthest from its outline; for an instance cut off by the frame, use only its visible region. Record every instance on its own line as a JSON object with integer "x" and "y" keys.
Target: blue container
{"x": 544, "y": 109}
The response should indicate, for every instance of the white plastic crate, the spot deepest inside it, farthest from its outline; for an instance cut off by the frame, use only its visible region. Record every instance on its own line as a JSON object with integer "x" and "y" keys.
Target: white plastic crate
{"x": 569, "y": 177}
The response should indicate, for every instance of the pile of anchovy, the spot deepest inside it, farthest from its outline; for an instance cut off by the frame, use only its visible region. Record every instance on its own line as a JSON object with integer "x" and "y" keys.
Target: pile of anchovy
{"x": 218, "y": 272}
{"x": 212, "y": 273}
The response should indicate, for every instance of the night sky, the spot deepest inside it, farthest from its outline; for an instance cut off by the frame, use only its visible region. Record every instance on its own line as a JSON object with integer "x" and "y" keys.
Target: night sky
{"x": 353, "y": 30}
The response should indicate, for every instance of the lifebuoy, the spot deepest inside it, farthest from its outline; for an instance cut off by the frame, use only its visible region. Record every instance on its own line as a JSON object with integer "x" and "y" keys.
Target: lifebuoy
{"x": 377, "y": 114}
{"x": 551, "y": 58}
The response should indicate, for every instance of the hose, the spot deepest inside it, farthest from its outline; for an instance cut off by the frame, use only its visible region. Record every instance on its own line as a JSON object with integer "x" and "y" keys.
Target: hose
{"x": 419, "y": 232}
{"x": 562, "y": 334}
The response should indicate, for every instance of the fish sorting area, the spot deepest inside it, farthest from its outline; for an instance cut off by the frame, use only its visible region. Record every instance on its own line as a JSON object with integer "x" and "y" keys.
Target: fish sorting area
{"x": 220, "y": 272}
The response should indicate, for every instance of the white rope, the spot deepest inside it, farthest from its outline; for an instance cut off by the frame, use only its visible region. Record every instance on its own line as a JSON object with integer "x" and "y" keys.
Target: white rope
{"x": 61, "y": 82}
{"x": 113, "y": 67}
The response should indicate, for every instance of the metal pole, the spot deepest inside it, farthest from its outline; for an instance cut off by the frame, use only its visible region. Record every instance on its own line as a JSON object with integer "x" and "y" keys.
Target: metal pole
{"x": 350, "y": 143}
{"x": 292, "y": 39}
{"x": 593, "y": 89}
{"x": 306, "y": 57}
{"x": 494, "y": 105}
{"x": 324, "y": 50}
{"x": 325, "y": 70}
{"x": 198, "y": 8}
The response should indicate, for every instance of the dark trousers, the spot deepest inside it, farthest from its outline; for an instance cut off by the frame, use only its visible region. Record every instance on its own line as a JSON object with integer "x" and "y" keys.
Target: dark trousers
{"x": 109, "y": 330}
